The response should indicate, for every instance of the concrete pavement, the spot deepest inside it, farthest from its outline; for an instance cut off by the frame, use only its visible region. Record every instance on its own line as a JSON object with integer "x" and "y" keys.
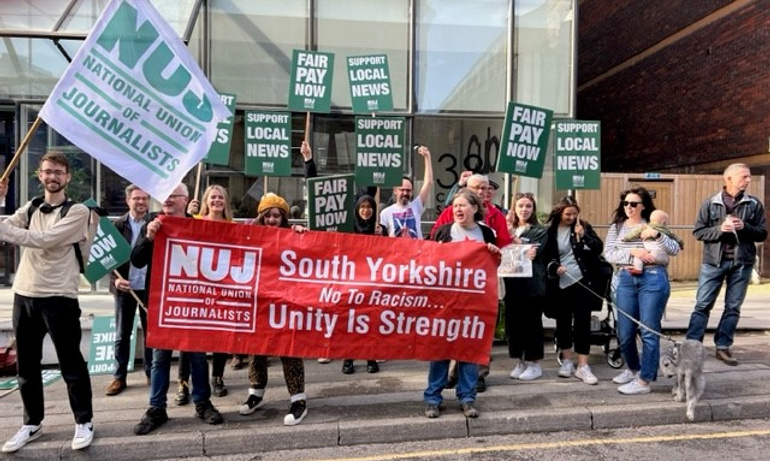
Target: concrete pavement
{"x": 387, "y": 407}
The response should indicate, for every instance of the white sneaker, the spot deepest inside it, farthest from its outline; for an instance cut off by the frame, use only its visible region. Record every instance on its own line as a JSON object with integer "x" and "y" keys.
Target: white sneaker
{"x": 518, "y": 370}
{"x": 634, "y": 387}
{"x": 26, "y": 434}
{"x": 626, "y": 377}
{"x": 584, "y": 373}
{"x": 84, "y": 435}
{"x": 533, "y": 371}
{"x": 324, "y": 360}
{"x": 566, "y": 369}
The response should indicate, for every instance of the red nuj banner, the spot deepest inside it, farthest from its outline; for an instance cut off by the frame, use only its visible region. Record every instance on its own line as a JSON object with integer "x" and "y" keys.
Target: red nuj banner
{"x": 223, "y": 287}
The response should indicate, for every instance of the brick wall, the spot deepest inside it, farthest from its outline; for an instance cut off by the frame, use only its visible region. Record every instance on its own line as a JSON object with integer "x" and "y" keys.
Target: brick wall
{"x": 703, "y": 99}
{"x": 612, "y": 31}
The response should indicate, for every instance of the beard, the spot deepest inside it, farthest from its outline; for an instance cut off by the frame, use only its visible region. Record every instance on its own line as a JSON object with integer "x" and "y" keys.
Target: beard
{"x": 53, "y": 186}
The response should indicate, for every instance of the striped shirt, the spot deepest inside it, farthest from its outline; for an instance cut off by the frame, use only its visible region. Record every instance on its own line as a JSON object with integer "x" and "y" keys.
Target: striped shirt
{"x": 618, "y": 252}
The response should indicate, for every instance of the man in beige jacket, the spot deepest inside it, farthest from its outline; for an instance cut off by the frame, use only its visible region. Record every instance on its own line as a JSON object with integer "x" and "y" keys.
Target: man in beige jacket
{"x": 46, "y": 298}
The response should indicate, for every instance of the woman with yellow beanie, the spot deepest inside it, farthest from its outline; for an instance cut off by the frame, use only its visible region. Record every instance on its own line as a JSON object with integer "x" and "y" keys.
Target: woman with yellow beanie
{"x": 274, "y": 211}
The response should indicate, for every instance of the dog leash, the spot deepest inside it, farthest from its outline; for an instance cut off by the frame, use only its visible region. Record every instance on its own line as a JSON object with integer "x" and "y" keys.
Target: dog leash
{"x": 611, "y": 305}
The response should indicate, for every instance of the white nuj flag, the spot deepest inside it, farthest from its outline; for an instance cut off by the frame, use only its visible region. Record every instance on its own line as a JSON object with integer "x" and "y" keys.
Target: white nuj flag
{"x": 135, "y": 99}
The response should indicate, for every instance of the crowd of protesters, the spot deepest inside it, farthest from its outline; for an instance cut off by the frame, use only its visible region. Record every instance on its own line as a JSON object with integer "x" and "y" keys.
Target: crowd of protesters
{"x": 567, "y": 256}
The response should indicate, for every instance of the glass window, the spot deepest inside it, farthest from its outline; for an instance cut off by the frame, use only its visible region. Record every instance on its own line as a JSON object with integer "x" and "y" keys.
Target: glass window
{"x": 176, "y": 12}
{"x": 348, "y": 28}
{"x": 251, "y": 47}
{"x": 31, "y": 15}
{"x": 29, "y": 68}
{"x": 456, "y": 144}
{"x": 461, "y": 55}
{"x": 545, "y": 54}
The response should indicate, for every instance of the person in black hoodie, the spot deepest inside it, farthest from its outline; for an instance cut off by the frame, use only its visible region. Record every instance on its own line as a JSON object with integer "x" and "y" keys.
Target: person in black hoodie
{"x": 365, "y": 223}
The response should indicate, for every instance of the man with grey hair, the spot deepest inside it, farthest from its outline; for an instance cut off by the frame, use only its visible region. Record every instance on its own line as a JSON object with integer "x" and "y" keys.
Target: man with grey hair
{"x": 156, "y": 416}
{"x": 729, "y": 224}
{"x": 131, "y": 279}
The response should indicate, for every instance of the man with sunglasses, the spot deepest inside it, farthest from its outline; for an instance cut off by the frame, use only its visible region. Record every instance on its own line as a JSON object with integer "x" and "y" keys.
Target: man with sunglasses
{"x": 729, "y": 224}
{"x": 46, "y": 299}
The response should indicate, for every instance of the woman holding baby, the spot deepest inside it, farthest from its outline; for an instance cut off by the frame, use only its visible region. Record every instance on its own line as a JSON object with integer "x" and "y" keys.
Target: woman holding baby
{"x": 639, "y": 295}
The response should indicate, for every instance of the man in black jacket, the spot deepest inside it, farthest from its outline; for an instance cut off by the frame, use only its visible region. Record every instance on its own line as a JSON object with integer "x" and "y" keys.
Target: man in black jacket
{"x": 155, "y": 416}
{"x": 131, "y": 278}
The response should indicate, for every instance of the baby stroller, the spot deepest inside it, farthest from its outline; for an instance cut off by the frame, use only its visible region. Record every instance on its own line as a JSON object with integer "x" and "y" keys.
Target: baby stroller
{"x": 603, "y": 332}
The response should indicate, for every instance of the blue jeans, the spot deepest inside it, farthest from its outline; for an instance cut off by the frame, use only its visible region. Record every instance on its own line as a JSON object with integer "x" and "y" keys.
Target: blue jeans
{"x": 125, "y": 312}
{"x": 438, "y": 374}
{"x": 644, "y": 298}
{"x": 737, "y": 277}
{"x": 161, "y": 369}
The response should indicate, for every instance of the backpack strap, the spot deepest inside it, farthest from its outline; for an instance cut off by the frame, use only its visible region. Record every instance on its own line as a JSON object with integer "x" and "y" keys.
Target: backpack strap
{"x": 65, "y": 206}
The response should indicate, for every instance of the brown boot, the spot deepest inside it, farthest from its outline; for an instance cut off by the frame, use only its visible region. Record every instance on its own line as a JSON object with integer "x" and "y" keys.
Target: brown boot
{"x": 116, "y": 387}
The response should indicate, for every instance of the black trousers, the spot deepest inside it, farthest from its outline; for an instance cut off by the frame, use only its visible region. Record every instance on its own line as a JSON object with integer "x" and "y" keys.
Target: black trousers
{"x": 523, "y": 323}
{"x": 573, "y": 302}
{"x": 59, "y": 317}
{"x": 125, "y": 312}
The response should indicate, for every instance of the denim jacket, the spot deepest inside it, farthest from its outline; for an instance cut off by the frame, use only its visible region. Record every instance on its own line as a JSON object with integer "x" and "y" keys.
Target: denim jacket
{"x": 709, "y": 221}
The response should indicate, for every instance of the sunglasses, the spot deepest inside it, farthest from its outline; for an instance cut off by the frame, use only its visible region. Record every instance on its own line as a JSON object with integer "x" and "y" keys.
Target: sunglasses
{"x": 631, "y": 204}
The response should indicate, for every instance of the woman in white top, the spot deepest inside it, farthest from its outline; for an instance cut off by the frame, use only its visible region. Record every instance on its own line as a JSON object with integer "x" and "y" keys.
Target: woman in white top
{"x": 640, "y": 297}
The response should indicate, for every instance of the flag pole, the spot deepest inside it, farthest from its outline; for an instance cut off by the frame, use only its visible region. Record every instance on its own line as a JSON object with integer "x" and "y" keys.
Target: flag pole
{"x": 133, "y": 293}
{"x": 21, "y": 149}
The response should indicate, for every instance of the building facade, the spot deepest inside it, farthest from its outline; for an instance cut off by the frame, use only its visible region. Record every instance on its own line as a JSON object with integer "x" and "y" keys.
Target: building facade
{"x": 680, "y": 86}
{"x": 454, "y": 65}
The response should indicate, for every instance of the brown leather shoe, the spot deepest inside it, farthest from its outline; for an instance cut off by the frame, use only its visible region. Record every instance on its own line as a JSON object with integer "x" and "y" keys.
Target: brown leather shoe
{"x": 726, "y": 356}
{"x": 116, "y": 387}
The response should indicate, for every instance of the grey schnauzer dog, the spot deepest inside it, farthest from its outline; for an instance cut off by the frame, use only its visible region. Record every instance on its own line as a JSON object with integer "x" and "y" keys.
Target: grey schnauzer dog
{"x": 685, "y": 361}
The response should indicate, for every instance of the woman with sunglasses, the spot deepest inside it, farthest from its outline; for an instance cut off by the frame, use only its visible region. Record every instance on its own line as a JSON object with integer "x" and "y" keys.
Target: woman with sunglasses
{"x": 639, "y": 297}
{"x": 572, "y": 253}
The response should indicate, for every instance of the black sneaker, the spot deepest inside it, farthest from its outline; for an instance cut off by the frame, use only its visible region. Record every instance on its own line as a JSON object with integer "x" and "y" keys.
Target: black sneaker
{"x": 250, "y": 405}
{"x": 182, "y": 393}
{"x": 152, "y": 419}
{"x": 451, "y": 383}
{"x": 218, "y": 387}
{"x": 297, "y": 412}
{"x": 347, "y": 367}
{"x": 432, "y": 411}
{"x": 481, "y": 385}
{"x": 372, "y": 367}
{"x": 206, "y": 411}
{"x": 469, "y": 410}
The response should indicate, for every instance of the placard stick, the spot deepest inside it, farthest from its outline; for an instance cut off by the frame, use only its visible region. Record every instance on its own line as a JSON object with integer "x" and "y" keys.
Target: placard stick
{"x": 198, "y": 181}
{"x": 21, "y": 149}
{"x": 133, "y": 293}
{"x": 513, "y": 192}
{"x": 307, "y": 127}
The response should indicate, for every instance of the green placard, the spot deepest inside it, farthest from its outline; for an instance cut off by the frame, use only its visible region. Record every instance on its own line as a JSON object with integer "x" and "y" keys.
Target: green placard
{"x": 101, "y": 354}
{"x": 219, "y": 153}
{"x": 525, "y": 140}
{"x": 109, "y": 250}
{"x": 330, "y": 203}
{"x": 380, "y": 151}
{"x": 268, "y": 143}
{"x": 578, "y": 154}
{"x": 370, "y": 88}
{"x": 310, "y": 86}
{"x": 49, "y": 376}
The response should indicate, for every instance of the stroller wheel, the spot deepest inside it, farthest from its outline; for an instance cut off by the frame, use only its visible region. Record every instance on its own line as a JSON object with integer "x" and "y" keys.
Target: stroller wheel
{"x": 615, "y": 359}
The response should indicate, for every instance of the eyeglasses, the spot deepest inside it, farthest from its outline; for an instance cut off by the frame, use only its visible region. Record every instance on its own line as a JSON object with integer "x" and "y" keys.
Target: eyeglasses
{"x": 53, "y": 172}
{"x": 631, "y": 204}
{"x": 176, "y": 195}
